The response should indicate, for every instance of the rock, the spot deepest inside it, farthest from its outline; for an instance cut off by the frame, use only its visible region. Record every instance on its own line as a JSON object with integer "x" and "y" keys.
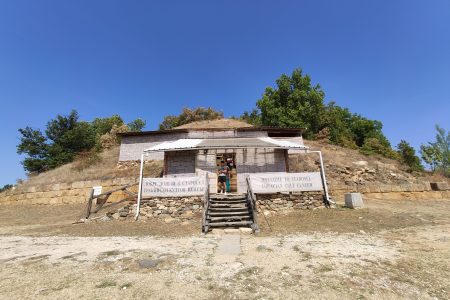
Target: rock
{"x": 353, "y": 200}
{"x": 217, "y": 231}
{"x": 246, "y": 230}
{"x": 123, "y": 213}
{"x": 105, "y": 219}
{"x": 361, "y": 163}
{"x": 148, "y": 263}
{"x": 195, "y": 207}
{"x": 231, "y": 230}
{"x": 439, "y": 186}
{"x": 169, "y": 220}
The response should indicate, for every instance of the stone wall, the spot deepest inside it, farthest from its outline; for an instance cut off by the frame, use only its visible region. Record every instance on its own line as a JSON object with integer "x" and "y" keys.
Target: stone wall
{"x": 421, "y": 191}
{"x": 169, "y": 209}
{"x": 282, "y": 201}
{"x": 65, "y": 193}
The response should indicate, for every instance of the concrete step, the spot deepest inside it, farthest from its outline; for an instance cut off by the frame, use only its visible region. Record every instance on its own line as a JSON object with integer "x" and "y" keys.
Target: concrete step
{"x": 236, "y": 224}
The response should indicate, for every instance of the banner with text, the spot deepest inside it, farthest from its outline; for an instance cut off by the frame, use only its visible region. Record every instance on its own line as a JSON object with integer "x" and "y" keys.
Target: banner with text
{"x": 267, "y": 183}
{"x": 173, "y": 186}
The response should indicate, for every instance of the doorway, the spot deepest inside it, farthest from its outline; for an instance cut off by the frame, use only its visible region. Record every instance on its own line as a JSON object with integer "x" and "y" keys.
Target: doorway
{"x": 230, "y": 161}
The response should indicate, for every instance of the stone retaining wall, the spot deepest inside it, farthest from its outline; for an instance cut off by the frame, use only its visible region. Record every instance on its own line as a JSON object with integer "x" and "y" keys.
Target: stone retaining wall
{"x": 283, "y": 201}
{"x": 78, "y": 192}
{"x": 65, "y": 193}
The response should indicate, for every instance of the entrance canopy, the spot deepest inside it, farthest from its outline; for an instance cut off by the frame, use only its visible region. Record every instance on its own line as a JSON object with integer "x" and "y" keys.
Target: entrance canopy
{"x": 235, "y": 143}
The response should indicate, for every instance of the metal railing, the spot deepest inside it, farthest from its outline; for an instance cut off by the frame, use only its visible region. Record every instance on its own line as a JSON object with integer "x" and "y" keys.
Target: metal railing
{"x": 251, "y": 200}
{"x": 205, "y": 227}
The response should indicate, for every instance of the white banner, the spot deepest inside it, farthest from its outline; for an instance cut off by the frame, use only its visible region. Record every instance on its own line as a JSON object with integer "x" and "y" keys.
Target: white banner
{"x": 267, "y": 183}
{"x": 173, "y": 186}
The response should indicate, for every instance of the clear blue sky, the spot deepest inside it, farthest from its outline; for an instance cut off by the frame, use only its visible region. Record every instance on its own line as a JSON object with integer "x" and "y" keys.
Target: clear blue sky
{"x": 388, "y": 60}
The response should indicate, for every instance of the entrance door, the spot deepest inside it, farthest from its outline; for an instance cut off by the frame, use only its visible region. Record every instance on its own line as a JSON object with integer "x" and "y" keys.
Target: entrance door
{"x": 230, "y": 161}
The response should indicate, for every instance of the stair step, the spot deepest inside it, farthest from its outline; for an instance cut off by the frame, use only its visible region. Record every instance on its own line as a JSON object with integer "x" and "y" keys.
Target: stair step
{"x": 228, "y": 213}
{"x": 225, "y": 209}
{"x": 228, "y": 218}
{"x": 228, "y": 201}
{"x": 222, "y": 224}
{"x": 230, "y": 197}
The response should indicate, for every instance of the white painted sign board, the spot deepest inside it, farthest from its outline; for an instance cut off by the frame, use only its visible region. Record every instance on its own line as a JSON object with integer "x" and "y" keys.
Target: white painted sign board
{"x": 97, "y": 190}
{"x": 267, "y": 183}
{"x": 173, "y": 186}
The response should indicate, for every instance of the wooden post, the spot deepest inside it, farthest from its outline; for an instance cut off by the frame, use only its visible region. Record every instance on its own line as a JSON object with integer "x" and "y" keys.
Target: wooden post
{"x": 286, "y": 159}
{"x": 89, "y": 206}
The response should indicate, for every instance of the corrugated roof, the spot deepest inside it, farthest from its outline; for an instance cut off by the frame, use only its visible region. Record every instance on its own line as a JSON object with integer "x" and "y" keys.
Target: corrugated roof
{"x": 235, "y": 143}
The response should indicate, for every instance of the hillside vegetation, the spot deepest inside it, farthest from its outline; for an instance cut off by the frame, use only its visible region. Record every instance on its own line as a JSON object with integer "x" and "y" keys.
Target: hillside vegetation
{"x": 102, "y": 167}
{"x": 343, "y": 167}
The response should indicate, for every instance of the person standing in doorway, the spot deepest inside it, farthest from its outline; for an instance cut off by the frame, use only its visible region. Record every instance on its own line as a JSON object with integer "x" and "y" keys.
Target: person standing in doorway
{"x": 222, "y": 176}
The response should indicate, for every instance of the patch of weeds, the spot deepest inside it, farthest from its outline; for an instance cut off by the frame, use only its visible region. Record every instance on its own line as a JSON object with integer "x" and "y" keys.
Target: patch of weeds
{"x": 39, "y": 257}
{"x": 296, "y": 248}
{"x": 110, "y": 253}
{"x": 247, "y": 272}
{"x": 262, "y": 248}
{"x": 324, "y": 268}
{"x": 126, "y": 286}
{"x": 73, "y": 255}
{"x": 106, "y": 284}
{"x": 198, "y": 277}
{"x": 306, "y": 256}
{"x": 211, "y": 287}
{"x": 284, "y": 268}
{"x": 280, "y": 243}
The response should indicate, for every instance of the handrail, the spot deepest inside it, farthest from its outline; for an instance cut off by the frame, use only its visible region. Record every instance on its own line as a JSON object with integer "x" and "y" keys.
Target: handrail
{"x": 251, "y": 199}
{"x": 205, "y": 203}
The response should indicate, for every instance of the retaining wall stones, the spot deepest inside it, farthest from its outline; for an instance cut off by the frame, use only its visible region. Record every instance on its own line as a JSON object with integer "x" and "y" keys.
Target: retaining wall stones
{"x": 283, "y": 201}
{"x": 65, "y": 193}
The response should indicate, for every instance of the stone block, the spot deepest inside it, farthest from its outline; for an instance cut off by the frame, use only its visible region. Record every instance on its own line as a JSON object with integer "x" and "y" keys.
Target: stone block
{"x": 353, "y": 200}
{"x": 77, "y": 185}
{"x": 439, "y": 186}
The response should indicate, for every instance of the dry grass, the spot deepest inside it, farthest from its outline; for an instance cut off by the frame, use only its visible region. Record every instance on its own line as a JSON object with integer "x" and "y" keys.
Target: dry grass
{"x": 101, "y": 166}
{"x": 219, "y": 123}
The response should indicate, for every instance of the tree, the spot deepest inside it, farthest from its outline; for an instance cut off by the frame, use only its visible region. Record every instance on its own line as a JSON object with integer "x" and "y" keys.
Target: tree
{"x": 253, "y": 117}
{"x": 430, "y": 155}
{"x": 69, "y": 137}
{"x": 294, "y": 102}
{"x": 136, "y": 125}
{"x": 34, "y": 144}
{"x": 408, "y": 156}
{"x": 188, "y": 116}
{"x": 104, "y": 125}
{"x": 6, "y": 187}
{"x": 437, "y": 154}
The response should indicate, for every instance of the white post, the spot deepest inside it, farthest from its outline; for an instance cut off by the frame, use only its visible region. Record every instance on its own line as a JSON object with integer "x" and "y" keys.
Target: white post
{"x": 140, "y": 188}
{"x": 324, "y": 179}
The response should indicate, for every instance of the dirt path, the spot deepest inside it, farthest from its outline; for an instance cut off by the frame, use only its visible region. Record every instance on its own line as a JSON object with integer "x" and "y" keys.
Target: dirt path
{"x": 391, "y": 250}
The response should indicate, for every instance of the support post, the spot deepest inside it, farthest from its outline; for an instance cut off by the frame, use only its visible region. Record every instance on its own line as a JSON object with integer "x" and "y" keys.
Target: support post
{"x": 141, "y": 172}
{"x": 324, "y": 179}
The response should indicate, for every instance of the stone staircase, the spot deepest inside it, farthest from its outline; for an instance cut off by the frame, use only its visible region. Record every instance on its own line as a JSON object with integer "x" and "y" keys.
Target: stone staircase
{"x": 230, "y": 210}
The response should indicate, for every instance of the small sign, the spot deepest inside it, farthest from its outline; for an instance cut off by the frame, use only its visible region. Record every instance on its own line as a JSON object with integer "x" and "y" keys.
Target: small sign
{"x": 267, "y": 183}
{"x": 173, "y": 186}
{"x": 97, "y": 190}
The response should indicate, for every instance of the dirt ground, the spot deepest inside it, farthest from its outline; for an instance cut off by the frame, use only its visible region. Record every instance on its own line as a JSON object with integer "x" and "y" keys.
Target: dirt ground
{"x": 388, "y": 250}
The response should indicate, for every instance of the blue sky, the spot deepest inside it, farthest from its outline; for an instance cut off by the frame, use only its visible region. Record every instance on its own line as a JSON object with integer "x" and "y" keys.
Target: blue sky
{"x": 388, "y": 60}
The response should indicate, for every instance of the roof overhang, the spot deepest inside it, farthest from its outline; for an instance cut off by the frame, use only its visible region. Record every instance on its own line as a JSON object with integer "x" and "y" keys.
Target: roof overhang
{"x": 229, "y": 143}
{"x": 186, "y": 130}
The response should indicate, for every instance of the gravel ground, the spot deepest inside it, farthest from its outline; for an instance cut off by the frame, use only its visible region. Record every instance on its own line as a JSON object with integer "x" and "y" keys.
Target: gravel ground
{"x": 389, "y": 250}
